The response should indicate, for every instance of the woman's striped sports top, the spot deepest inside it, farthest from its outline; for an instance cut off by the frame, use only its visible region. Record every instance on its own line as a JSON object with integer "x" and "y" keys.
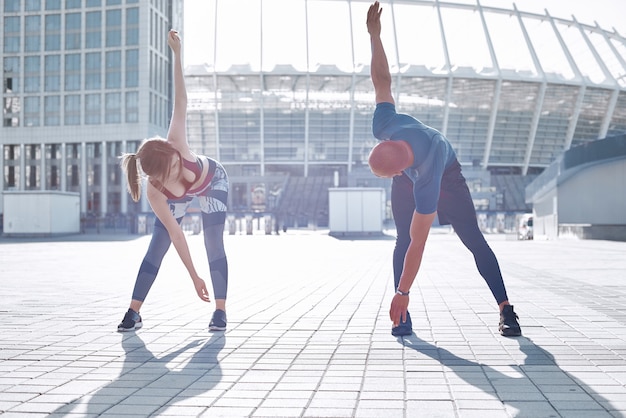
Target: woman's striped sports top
{"x": 196, "y": 168}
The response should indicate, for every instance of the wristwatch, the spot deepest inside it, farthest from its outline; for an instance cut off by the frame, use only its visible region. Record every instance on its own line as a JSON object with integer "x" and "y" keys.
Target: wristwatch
{"x": 400, "y": 292}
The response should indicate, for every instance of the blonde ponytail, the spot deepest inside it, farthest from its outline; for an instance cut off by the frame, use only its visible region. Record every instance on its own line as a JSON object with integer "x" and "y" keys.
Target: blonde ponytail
{"x": 133, "y": 175}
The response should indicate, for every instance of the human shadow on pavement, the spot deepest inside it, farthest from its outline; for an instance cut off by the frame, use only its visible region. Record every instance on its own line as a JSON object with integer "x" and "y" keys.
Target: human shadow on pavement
{"x": 146, "y": 384}
{"x": 520, "y": 391}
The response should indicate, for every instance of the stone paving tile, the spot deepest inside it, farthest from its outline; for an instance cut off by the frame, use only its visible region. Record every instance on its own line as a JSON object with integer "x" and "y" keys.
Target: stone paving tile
{"x": 376, "y": 413}
{"x": 309, "y": 333}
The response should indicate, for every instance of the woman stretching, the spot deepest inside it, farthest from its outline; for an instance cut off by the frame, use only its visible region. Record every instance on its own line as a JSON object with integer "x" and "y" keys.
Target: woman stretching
{"x": 175, "y": 176}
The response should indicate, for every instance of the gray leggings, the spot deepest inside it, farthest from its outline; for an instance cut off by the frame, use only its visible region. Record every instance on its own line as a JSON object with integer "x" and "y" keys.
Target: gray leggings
{"x": 213, "y": 202}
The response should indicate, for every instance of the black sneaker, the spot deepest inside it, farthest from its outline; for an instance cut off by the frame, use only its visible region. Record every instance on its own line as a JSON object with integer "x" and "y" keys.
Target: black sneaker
{"x": 131, "y": 322}
{"x": 218, "y": 322}
{"x": 404, "y": 329}
{"x": 509, "y": 325}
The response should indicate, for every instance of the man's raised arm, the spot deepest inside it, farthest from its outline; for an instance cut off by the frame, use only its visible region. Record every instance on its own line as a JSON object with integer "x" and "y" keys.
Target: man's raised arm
{"x": 379, "y": 69}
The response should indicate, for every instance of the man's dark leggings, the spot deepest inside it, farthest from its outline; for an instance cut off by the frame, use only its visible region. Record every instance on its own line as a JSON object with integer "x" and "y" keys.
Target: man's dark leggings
{"x": 456, "y": 208}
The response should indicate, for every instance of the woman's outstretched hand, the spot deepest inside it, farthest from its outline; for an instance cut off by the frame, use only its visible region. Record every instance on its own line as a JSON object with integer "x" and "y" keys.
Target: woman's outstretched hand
{"x": 201, "y": 289}
{"x": 173, "y": 40}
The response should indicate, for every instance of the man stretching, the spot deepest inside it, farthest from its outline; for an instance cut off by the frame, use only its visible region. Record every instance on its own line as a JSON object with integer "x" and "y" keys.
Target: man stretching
{"x": 427, "y": 181}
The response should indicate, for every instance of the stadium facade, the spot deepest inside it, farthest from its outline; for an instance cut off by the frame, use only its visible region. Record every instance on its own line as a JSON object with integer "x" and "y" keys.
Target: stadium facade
{"x": 285, "y": 100}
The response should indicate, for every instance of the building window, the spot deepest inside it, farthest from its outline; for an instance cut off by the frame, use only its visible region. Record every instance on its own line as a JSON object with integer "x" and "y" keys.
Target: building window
{"x": 11, "y": 75}
{"x": 52, "y": 67}
{"x": 132, "y": 68}
{"x": 9, "y": 84}
{"x": 114, "y": 28}
{"x": 11, "y": 169}
{"x": 53, "y": 4}
{"x": 11, "y": 25}
{"x": 72, "y": 4}
{"x": 94, "y": 3}
{"x": 73, "y": 159}
{"x": 31, "y": 111}
{"x": 132, "y": 26}
{"x": 52, "y": 110}
{"x": 32, "y": 71}
{"x": 11, "y": 112}
{"x": 72, "y": 72}
{"x": 72, "y": 31}
{"x": 93, "y": 164}
{"x": 11, "y": 6}
{"x": 93, "y": 64}
{"x": 132, "y": 107}
{"x": 32, "y": 83}
{"x": 32, "y": 64}
{"x": 92, "y": 109}
{"x": 33, "y": 158}
{"x": 11, "y": 34}
{"x": 113, "y": 109}
{"x": 53, "y": 166}
{"x": 113, "y": 77}
{"x": 53, "y": 32}
{"x": 72, "y": 109}
{"x": 10, "y": 122}
{"x": 152, "y": 76}
{"x": 93, "y": 36}
{"x": 11, "y": 65}
{"x": 11, "y": 44}
{"x": 32, "y": 33}
{"x": 33, "y": 5}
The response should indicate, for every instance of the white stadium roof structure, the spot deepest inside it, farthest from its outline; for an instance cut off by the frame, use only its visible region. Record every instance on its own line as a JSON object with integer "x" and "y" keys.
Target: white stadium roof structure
{"x": 509, "y": 88}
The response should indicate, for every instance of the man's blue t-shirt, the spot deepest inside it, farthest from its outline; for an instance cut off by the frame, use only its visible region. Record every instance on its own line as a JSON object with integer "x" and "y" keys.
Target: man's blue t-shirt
{"x": 432, "y": 152}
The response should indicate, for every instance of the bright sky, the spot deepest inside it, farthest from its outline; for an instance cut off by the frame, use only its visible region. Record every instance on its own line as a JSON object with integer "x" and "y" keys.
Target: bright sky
{"x": 199, "y": 16}
{"x": 608, "y": 13}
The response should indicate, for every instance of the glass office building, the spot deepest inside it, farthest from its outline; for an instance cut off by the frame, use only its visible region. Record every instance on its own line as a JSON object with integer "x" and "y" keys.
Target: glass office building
{"x": 284, "y": 90}
{"x": 83, "y": 82}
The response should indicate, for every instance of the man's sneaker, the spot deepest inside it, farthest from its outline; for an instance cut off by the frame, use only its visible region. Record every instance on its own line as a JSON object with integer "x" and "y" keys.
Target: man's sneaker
{"x": 131, "y": 322}
{"x": 509, "y": 325}
{"x": 218, "y": 322}
{"x": 404, "y": 329}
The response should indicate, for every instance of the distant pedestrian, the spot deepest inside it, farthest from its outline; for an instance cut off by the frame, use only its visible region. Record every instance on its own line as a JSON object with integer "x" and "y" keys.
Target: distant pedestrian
{"x": 277, "y": 222}
{"x": 175, "y": 177}
{"x": 427, "y": 182}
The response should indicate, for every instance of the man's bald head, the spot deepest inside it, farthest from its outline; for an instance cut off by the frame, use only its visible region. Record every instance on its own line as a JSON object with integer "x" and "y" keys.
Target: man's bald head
{"x": 388, "y": 158}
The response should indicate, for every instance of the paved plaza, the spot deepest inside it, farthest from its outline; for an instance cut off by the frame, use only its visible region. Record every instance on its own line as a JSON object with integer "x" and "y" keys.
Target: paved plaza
{"x": 309, "y": 331}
